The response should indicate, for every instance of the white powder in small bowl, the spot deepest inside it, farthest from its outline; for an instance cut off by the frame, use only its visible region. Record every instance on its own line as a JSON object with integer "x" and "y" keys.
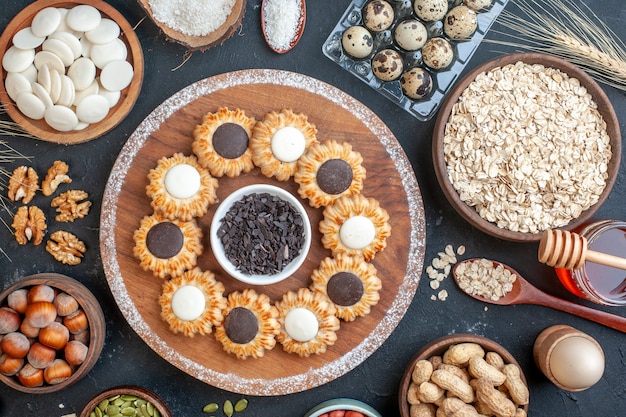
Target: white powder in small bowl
{"x": 192, "y": 17}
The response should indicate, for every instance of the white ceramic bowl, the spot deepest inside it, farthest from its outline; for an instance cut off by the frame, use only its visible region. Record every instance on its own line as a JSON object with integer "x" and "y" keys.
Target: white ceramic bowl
{"x": 218, "y": 248}
{"x": 347, "y": 404}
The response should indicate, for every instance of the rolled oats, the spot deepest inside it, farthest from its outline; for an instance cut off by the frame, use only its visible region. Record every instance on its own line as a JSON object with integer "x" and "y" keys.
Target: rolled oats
{"x": 485, "y": 278}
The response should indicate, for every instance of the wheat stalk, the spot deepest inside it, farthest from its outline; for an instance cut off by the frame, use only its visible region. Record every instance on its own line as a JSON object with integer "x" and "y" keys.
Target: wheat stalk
{"x": 567, "y": 31}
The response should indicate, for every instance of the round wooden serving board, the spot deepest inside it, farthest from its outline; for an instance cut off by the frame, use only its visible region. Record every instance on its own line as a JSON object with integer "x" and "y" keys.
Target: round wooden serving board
{"x": 128, "y": 97}
{"x": 390, "y": 180}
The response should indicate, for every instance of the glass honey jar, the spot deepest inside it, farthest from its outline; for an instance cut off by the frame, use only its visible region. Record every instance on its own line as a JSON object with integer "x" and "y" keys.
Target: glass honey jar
{"x": 601, "y": 284}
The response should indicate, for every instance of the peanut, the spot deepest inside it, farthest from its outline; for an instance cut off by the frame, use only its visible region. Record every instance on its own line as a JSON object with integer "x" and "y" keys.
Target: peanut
{"x": 430, "y": 392}
{"x": 460, "y": 372}
{"x": 453, "y": 384}
{"x": 423, "y": 410}
{"x": 461, "y": 353}
{"x": 494, "y": 359}
{"x": 520, "y": 413}
{"x": 516, "y": 387}
{"x": 436, "y": 361}
{"x": 479, "y": 368}
{"x": 454, "y": 407}
{"x": 422, "y": 371}
{"x": 495, "y": 400}
{"x": 412, "y": 395}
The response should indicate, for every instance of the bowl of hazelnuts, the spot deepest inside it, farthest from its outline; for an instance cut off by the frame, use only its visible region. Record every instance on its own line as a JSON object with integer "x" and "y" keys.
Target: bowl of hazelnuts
{"x": 52, "y": 331}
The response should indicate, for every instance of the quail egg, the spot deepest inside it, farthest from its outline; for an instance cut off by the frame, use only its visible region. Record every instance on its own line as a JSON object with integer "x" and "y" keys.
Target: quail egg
{"x": 460, "y": 23}
{"x": 410, "y": 35}
{"x": 438, "y": 53}
{"x": 477, "y": 4}
{"x": 357, "y": 42}
{"x": 416, "y": 83}
{"x": 378, "y": 15}
{"x": 430, "y": 10}
{"x": 387, "y": 65}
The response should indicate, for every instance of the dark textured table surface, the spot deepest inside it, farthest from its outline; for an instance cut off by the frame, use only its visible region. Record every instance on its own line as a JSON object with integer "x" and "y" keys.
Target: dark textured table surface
{"x": 126, "y": 359}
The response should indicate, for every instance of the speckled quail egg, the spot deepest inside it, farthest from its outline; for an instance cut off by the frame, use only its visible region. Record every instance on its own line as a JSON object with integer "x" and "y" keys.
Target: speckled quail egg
{"x": 438, "y": 53}
{"x": 357, "y": 41}
{"x": 477, "y": 4}
{"x": 460, "y": 23}
{"x": 430, "y": 10}
{"x": 387, "y": 65}
{"x": 416, "y": 83}
{"x": 378, "y": 15}
{"x": 410, "y": 35}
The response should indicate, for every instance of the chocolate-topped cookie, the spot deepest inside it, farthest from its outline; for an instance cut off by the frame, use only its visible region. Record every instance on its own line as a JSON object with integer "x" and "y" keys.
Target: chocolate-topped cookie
{"x": 344, "y": 288}
{"x": 334, "y": 176}
{"x": 241, "y": 325}
{"x": 164, "y": 240}
{"x": 230, "y": 140}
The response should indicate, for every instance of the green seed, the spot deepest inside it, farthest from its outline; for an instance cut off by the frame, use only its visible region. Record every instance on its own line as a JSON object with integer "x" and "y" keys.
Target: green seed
{"x": 112, "y": 410}
{"x": 129, "y": 411}
{"x": 150, "y": 409}
{"x": 99, "y": 412}
{"x": 144, "y": 410}
{"x": 241, "y": 405}
{"x": 228, "y": 408}
{"x": 118, "y": 401}
{"x": 129, "y": 397}
{"x": 210, "y": 408}
{"x": 139, "y": 402}
{"x": 103, "y": 404}
{"x": 156, "y": 413}
{"x": 92, "y": 414}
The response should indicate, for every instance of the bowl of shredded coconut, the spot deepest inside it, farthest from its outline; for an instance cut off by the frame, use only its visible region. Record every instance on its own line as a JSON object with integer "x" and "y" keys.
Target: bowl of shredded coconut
{"x": 196, "y": 24}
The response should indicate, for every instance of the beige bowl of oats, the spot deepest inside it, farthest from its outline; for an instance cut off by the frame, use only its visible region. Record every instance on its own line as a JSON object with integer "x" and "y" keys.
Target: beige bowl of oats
{"x": 524, "y": 143}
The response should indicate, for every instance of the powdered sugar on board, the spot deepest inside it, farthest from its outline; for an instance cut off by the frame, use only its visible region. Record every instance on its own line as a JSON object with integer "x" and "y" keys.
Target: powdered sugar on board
{"x": 314, "y": 376}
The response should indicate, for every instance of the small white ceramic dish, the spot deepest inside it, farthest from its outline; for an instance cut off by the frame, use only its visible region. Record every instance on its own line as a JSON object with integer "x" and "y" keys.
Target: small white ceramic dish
{"x": 218, "y": 248}
{"x": 347, "y": 404}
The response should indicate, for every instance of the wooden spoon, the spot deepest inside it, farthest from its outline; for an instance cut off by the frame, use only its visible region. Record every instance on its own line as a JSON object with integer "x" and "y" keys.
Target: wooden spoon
{"x": 524, "y": 292}
{"x": 564, "y": 249}
{"x": 296, "y": 35}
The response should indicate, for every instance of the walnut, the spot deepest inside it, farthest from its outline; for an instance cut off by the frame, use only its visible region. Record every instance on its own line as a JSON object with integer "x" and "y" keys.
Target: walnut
{"x": 23, "y": 184}
{"x": 65, "y": 247}
{"x": 69, "y": 206}
{"x": 29, "y": 224}
{"x": 56, "y": 175}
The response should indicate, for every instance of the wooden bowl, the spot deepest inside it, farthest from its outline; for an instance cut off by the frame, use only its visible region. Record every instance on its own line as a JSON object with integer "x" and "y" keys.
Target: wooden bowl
{"x": 345, "y": 404}
{"x": 217, "y": 37}
{"x": 604, "y": 107}
{"x": 39, "y": 128}
{"x": 95, "y": 317}
{"x": 438, "y": 347}
{"x": 131, "y": 390}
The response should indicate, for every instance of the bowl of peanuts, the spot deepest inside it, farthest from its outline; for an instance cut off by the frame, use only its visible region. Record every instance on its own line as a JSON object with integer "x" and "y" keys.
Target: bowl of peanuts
{"x": 52, "y": 331}
{"x": 342, "y": 407}
{"x": 524, "y": 143}
{"x": 463, "y": 375}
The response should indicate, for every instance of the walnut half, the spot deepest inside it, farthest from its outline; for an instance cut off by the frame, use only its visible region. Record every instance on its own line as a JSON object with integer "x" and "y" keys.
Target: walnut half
{"x": 23, "y": 184}
{"x": 65, "y": 247}
{"x": 56, "y": 175}
{"x": 29, "y": 224}
{"x": 70, "y": 207}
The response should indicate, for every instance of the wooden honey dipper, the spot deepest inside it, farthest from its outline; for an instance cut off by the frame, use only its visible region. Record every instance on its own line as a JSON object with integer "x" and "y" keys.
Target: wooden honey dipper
{"x": 564, "y": 249}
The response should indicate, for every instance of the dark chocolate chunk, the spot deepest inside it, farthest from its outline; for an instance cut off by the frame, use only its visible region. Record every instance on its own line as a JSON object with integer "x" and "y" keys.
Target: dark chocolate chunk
{"x": 334, "y": 176}
{"x": 165, "y": 240}
{"x": 230, "y": 140}
{"x": 261, "y": 234}
{"x": 241, "y": 325}
{"x": 345, "y": 288}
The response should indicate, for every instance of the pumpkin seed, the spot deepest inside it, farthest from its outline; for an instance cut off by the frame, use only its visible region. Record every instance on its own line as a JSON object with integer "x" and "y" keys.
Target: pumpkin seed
{"x": 228, "y": 408}
{"x": 92, "y": 414}
{"x": 99, "y": 412}
{"x": 210, "y": 408}
{"x": 129, "y": 397}
{"x": 112, "y": 410}
{"x": 241, "y": 405}
{"x": 103, "y": 404}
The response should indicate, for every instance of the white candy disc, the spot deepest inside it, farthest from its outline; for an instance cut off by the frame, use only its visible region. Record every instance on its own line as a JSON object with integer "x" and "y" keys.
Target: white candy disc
{"x": 60, "y": 49}
{"x": 93, "y": 88}
{"x": 46, "y": 21}
{"x": 15, "y": 83}
{"x": 49, "y": 59}
{"x": 102, "y": 54}
{"x": 301, "y": 324}
{"x": 182, "y": 181}
{"x": 42, "y": 94}
{"x": 55, "y": 85}
{"x": 106, "y": 31}
{"x": 112, "y": 96}
{"x": 70, "y": 40}
{"x": 85, "y": 46}
{"x": 26, "y": 39}
{"x": 61, "y": 118}
{"x": 188, "y": 303}
{"x": 82, "y": 72}
{"x": 357, "y": 232}
{"x": 116, "y": 75}
{"x": 30, "y": 73}
{"x": 17, "y": 60}
{"x": 288, "y": 144}
{"x": 68, "y": 91}
{"x": 83, "y": 18}
{"x": 92, "y": 109}
{"x": 30, "y": 105}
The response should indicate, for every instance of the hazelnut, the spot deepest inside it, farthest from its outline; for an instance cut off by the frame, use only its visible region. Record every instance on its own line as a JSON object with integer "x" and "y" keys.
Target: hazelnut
{"x": 41, "y": 313}
{"x": 9, "y": 320}
{"x": 10, "y": 366}
{"x": 57, "y": 372}
{"x": 15, "y": 345}
{"x": 28, "y": 330}
{"x": 30, "y": 376}
{"x": 65, "y": 304}
{"x": 18, "y": 300}
{"x": 41, "y": 293}
{"x": 54, "y": 335}
{"x": 75, "y": 352}
{"x": 76, "y": 322}
{"x": 84, "y": 336}
{"x": 40, "y": 356}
